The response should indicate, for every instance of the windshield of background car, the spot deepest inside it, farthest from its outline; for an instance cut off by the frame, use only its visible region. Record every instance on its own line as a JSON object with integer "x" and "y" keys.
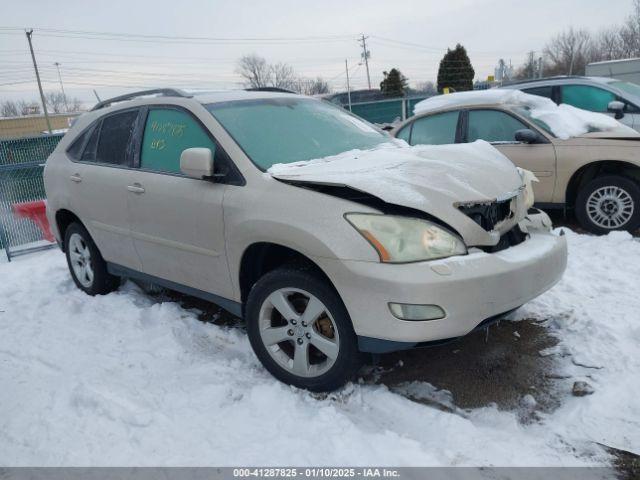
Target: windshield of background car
{"x": 627, "y": 87}
{"x": 526, "y": 112}
{"x": 286, "y": 130}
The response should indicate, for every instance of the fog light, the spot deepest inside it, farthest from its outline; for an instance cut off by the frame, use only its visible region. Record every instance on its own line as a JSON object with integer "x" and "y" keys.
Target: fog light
{"x": 407, "y": 311}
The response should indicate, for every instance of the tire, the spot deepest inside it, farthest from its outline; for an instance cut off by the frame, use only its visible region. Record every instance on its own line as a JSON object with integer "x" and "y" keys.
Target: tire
{"x": 330, "y": 328}
{"x": 86, "y": 265}
{"x": 609, "y": 203}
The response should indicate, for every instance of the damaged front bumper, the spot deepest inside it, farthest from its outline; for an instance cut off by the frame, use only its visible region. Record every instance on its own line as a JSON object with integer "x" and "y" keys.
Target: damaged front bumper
{"x": 470, "y": 288}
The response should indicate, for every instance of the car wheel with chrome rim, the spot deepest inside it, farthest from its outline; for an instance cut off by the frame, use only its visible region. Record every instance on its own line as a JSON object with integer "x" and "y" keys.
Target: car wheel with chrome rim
{"x": 301, "y": 331}
{"x": 609, "y": 203}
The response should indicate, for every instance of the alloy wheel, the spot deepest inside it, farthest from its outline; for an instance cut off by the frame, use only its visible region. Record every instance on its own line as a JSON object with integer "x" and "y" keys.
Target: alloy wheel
{"x": 299, "y": 332}
{"x": 80, "y": 256}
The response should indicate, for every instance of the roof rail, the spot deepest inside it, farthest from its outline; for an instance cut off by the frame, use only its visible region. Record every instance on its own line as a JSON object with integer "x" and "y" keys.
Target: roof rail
{"x": 163, "y": 92}
{"x": 545, "y": 79}
{"x": 269, "y": 89}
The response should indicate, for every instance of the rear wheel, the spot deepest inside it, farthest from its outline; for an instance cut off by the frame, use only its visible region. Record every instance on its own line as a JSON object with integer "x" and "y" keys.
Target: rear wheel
{"x": 88, "y": 268}
{"x": 609, "y": 203}
{"x": 301, "y": 331}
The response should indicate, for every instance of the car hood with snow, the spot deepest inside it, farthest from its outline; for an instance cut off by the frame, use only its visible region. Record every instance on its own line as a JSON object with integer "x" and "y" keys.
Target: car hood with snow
{"x": 438, "y": 180}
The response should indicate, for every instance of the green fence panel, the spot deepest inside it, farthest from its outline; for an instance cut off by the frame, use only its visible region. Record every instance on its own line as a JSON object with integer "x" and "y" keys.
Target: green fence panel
{"x": 385, "y": 111}
{"x": 27, "y": 150}
{"x": 21, "y": 166}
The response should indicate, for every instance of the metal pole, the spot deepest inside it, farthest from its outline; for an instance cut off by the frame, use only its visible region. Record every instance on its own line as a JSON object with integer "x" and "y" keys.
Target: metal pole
{"x": 365, "y": 55}
{"x": 35, "y": 67}
{"x": 64, "y": 95}
{"x": 346, "y": 67}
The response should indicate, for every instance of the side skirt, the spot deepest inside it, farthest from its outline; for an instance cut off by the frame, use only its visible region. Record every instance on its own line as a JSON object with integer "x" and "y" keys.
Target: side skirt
{"x": 231, "y": 306}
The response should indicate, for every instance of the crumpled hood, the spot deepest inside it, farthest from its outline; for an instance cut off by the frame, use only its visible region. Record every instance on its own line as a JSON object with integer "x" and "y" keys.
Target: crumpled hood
{"x": 433, "y": 179}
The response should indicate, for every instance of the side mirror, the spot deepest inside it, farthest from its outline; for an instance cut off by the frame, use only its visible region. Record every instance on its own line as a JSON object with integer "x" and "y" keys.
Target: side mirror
{"x": 527, "y": 136}
{"x": 616, "y": 107}
{"x": 197, "y": 163}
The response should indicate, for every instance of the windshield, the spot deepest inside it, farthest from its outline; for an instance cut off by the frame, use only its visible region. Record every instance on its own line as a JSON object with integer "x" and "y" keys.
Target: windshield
{"x": 526, "y": 112}
{"x": 627, "y": 87}
{"x": 290, "y": 129}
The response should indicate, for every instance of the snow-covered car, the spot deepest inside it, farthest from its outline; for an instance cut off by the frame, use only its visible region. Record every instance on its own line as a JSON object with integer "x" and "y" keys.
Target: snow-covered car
{"x": 583, "y": 160}
{"x": 329, "y": 237}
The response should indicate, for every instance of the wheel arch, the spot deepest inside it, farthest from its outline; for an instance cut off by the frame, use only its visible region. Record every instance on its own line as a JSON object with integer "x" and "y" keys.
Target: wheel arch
{"x": 592, "y": 170}
{"x": 262, "y": 257}
{"x": 64, "y": 218}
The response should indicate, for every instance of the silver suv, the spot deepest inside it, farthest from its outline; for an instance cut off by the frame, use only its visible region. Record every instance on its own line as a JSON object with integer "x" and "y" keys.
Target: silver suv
{"x": 175, "y": 190}
{"x": 597, "y": 94}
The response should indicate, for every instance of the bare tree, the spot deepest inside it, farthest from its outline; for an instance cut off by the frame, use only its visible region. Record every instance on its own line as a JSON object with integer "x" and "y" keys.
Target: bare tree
{"x": 529, "y": 69}
{"x": 283, "y": 76}
{"x": 608, "y": 45}
{"x": 28, "y": 108}
{"x": 9, "y": 108}
{"x": 56, "y": 101}
{"x": 630, "y": 33}
{"x": 255, "y": 71}
{"x": 312, "y": 86}
{"x": 74, "y": 105}
{"x": 569, "y": 52}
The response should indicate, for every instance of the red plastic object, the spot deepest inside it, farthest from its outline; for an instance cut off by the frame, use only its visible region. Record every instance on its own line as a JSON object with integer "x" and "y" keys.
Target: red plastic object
{"x": 37, "y": 212}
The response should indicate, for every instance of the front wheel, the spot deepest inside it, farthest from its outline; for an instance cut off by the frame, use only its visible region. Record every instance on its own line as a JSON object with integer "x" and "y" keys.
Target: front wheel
{"x": 609, "y": 203}
{"x": 301, "y": 331}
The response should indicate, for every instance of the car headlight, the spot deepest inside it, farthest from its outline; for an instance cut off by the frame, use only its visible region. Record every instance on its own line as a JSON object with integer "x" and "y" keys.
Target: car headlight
{"x": 404, "y": 239}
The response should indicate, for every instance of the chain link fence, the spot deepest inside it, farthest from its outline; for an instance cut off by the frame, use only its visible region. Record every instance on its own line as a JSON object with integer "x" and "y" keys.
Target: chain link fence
{"x": 23, "y": 227}
{"x": 386, "y": 112}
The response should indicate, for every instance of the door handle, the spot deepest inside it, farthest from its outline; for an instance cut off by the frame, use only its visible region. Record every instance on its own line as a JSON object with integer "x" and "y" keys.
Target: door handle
{"x": 76, "y": 178}
{"x": 135, "y": 188}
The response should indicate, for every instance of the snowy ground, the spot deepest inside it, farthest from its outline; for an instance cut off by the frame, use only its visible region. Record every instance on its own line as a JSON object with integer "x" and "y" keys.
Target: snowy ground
{"x": 126, "y": 380}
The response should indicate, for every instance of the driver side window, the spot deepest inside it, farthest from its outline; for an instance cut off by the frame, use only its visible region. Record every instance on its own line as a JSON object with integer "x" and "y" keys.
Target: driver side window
{"x": 167, "y": 133}
{"x": 493, "y": 126}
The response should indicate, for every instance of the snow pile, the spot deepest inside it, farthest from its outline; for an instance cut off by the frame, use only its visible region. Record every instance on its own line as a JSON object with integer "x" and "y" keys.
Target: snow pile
{"x": 122, "y": 380}
{"x": 564, "y": 120}
{"x": 400, "y": 174}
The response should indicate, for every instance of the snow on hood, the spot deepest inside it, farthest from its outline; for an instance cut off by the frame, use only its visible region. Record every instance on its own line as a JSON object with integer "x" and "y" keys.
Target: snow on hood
{"x": 564, "y": 120}
{"x": 421, "y": 177}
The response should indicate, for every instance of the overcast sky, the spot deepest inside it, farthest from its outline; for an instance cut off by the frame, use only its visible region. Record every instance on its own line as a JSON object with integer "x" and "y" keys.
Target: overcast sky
{"x": 314, "y": 37}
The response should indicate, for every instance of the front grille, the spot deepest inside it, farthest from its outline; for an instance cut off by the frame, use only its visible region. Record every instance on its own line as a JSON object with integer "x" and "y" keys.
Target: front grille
{"x": 488, "y": 215}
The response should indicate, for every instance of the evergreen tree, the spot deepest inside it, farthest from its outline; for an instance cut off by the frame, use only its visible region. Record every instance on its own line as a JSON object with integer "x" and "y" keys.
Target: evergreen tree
{"x": 455, "y": 70}
{"x": 394, "y": 83}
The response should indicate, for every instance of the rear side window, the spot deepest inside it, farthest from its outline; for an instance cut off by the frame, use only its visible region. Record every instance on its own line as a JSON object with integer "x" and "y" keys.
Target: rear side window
{"x": 115, "y": 137}
{"x": 75, "y": 150}
{"x": 89, "y": 154}
{"x": 587, "y": 97}
{"x": 435, "y": 130}
{"x": 492, "y": 126}
{"x": 168, "y": 132}
{"x": 540, "y": 91}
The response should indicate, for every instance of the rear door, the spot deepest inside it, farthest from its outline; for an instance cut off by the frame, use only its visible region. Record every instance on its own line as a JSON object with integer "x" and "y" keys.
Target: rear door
{"x": 499, "y": 128}
{"x": 177, "y": 221}
{"x": 99, "y": 175}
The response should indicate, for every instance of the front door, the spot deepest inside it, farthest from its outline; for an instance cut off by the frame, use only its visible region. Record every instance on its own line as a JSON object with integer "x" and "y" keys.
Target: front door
{"x": 499, "y": 128}
{"x": 176, "y": 221}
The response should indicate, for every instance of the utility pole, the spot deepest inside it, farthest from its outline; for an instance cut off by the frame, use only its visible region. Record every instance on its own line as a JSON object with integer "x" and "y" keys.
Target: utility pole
{"x": 365, "y": 56}
{"x": 64, "y": 95}
{"x": 346, "y": 67}
{"x": 35, "y": 67}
